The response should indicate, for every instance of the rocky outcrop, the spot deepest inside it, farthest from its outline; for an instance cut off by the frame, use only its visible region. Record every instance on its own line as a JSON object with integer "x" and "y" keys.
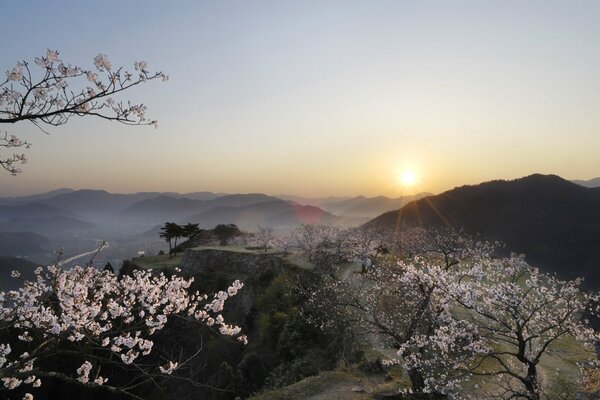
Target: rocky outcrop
{"x": 230, "y": 262}
{"x": 224, "y": 266}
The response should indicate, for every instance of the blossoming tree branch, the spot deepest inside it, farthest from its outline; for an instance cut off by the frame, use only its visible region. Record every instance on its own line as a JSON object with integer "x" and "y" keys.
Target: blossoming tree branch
{"x": 100, "y": 323}
{"x": 59, "y": 91}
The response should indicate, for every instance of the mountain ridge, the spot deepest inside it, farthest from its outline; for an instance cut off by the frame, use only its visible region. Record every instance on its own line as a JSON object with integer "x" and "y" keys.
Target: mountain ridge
{"x": 555, "y": 222}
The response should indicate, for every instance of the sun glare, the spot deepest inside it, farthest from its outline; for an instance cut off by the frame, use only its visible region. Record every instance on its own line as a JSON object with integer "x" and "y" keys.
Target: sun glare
{"x": 408, "y": 178}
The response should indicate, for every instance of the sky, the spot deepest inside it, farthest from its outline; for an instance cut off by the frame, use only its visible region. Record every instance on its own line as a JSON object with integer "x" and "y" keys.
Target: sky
{"x": 319, "y": 98}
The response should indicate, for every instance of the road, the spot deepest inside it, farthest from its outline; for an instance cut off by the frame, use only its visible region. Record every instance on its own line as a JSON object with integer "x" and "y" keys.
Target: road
{"x": 104, "y": 245}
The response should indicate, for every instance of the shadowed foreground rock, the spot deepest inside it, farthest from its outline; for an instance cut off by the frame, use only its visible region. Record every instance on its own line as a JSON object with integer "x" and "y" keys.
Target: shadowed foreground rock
{"x": 394, "y": 395}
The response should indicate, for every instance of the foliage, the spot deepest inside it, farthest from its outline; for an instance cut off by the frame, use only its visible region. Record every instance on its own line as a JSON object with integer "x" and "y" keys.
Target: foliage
{"x": 172, "y": 231}
{"x": 226, "y": 232}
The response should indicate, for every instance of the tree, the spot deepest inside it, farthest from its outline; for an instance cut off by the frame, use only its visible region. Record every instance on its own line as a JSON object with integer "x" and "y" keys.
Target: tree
{"x": 99, "y": 322}
{"x": 521, "y": 313}
{"x": 61, "y": 90}
{"x": 190, "y": 230}
{"x": 167, "y": 232}
{"x": 108, "y": 267}
{"x": 365, "y": 244}
{"x": 226, "y": 232}
{"x": 172, "y": 232}
{"x": 177, "y": 231}
{"x": 263, "y": 237}
{"x": 336, "y": 239}
{"x": 405, "y": 303}
{"x": 285, "y": 242}
{"x": 309, "y": 238}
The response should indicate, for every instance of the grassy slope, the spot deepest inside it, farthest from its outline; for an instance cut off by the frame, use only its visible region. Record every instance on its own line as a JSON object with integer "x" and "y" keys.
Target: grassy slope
{"x": 342, "y": 384}
{"x": 158, "y": 262}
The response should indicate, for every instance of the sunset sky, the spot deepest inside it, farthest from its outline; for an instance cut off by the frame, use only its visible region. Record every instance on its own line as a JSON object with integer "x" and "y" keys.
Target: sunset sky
{"x": 320, "y": 97}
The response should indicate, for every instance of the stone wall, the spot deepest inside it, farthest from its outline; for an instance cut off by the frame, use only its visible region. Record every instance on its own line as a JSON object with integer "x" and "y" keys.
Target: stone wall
{"x": 231, "y": 262}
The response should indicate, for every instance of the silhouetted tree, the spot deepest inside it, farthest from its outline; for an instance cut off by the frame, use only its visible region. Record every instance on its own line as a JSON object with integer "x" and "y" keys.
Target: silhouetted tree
{"x": 178, "y": 232}
{"x": 190, "y": 230}
{"x": 226, "y": 232}
{"x": 108, "y": 267}
{"x": 168, "y": 233}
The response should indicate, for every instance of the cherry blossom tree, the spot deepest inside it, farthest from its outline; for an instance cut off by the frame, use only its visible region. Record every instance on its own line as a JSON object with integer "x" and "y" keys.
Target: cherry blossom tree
{"x": 263, "y": 237}
{"x": 336, "y": 240}
{"x": 308, "y": 238}
{"x": 522, "y": 313}
{"x": 405, "y": 303}
{"x": 285, "y": 242}
{"x": 365, "y": 244}
{"x": 56, "y": 91}
{"x": 104, "y": 323}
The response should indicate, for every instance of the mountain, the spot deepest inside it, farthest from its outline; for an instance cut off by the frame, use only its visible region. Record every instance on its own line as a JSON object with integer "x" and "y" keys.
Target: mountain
{"x": 201, "y": 195}
{"x": 33, "y": 197}
{"x": 556, "y": 223}
{"x": 49, "y": 225}
{"x": 97, "y": 203}
{"x": 164, "y": 208}
{"x": 591, "y": 183}
{"x": 277, "y": 214}
{"x": 9, "y": 264}
{"x": 32, "y": 210}
{"x": 21, "y": 243}
{"x": 370, "y": 207}
{"x": 241, "y": 199}
{"x": 311, "y": 201}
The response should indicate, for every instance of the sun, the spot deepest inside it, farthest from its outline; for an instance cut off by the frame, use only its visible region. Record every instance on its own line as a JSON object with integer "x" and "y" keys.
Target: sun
{"x": 408, "y": 178}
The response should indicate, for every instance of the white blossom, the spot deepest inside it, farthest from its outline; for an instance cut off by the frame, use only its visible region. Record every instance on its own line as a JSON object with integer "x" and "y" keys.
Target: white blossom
{"x": 169, "y": 368}
{"x": 102, "y": 63}
{"x": 88, "y": 305}
{"x": 83, "y": 372}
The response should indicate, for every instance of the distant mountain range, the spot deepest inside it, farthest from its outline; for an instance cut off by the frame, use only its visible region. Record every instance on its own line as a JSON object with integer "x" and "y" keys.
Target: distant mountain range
{"x": 165, "y": 208}
{"x": 65, "y": 212}
{"x": 33, "y": 210}
{"x": 96, "y": 203}
{"x": 66, "y": 209}
{"x": 43, "y": 225}
{"x": 556, "y": 223}
{"x": 591, "y": 183}
{"x": 34, "y": 197}
{"x": 369, "y": 206}
{"x": 276, "y": 213}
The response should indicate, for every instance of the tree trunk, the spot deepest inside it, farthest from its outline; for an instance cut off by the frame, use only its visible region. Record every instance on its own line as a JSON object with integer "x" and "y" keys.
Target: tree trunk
{"x": 531, "y": 382}
{"x": 417, "y": 381}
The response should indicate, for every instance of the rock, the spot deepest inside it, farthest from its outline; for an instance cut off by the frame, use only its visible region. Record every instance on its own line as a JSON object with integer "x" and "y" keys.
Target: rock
{"x": 358, "y": 389}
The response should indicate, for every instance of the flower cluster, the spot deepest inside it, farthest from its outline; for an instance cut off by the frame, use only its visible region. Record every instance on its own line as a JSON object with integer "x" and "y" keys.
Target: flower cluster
{"x": 98, "y": 310}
